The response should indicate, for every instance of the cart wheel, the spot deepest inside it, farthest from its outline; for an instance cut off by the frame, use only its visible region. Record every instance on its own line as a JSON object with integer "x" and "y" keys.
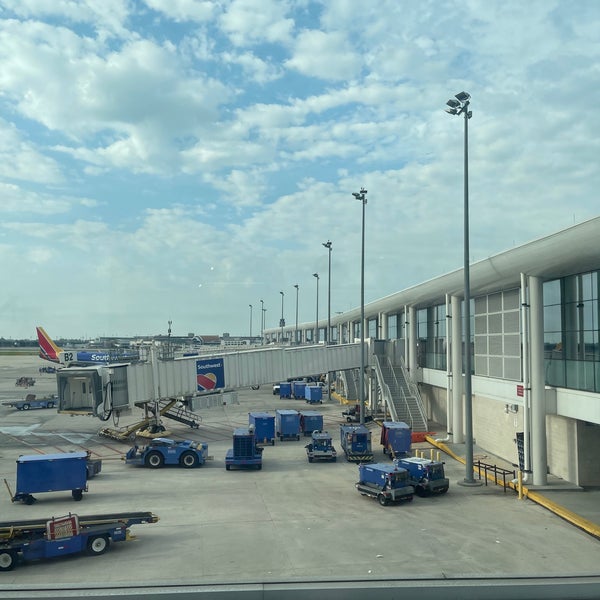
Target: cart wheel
{"x": 25, "y": 406}
{"x": 154, "y": 460}
{"x": 50, "y": 404}
{"x": 97, "y": 544}
{"x": 8, "y": 559}
{"x": 258, "y": 467}
{"x": 382, "y": 500}
{"x": 228, "y": 467}
{"x": 77, "y": 495}
{"x": 188, "y": 460}
{"x": 310, "y": 459}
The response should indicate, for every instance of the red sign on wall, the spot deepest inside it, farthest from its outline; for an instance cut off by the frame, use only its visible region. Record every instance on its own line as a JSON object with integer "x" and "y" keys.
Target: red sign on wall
{"x": 520, "y": 390}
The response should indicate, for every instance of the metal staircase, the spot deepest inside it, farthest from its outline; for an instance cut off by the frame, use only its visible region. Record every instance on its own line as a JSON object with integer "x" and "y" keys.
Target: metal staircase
{"x": 402, "y": 396}
{"x": 171, "y": 408}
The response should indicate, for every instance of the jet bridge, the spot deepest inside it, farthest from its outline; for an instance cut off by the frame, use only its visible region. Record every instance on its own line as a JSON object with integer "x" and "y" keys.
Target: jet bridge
{"x": 114, "y": 389}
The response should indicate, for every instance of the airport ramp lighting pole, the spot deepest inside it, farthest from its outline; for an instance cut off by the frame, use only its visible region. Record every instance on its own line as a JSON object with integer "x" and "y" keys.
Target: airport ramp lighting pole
{"x": 459, "y": 105}
{"x": 316, "y": 340}
{"x": 282, "y": 320}
{"x": 362, "y": 196}
{"x": 250, "y": 305}
{"x": 328, "y": 245}
{"x": 296, "y": 332}
{"x": 262, "y": 321}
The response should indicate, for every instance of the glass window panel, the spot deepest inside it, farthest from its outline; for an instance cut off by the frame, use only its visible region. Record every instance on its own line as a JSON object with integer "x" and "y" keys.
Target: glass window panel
{"x": 552, "y": 293}
{"x": 552, "y": 318}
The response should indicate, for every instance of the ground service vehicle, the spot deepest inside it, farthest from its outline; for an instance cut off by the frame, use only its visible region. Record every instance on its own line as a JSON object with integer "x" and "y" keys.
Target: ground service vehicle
{"x": 41, "y": 538}
{"x": 395, "y": 438}
{"x": 287, "y": 424}
{"x": 31, "y": 401}
{"x": 356, "y": 443}
{"x": 264, "y": 427}
{"x": 321, "y": 447}
{"x": 388, "y": 483}
{"x": 165, "y": 451}
{"x": 310, "y": 420}
{"x": 54, "y": 473}
{"x": 245, "y": 451}
{"x": 313, "y": 394}
{"x": 427, "y": 476}
{"x": 25, "y": 382}
{"x": 352, "y": 415}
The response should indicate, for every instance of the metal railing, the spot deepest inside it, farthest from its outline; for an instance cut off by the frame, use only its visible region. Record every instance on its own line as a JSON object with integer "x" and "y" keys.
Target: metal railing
{"x": 386, "y": 394}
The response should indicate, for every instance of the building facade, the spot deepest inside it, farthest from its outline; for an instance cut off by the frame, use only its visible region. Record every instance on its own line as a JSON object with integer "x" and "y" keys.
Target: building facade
{"x": 535, "y": 351}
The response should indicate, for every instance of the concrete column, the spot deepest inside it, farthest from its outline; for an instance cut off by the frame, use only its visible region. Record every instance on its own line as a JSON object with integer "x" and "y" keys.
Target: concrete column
{"x": 383, "y": 326}
{"x": 458, "y": 432}
{"x": 412, "y": 342}
{"x": 539, "y": 456}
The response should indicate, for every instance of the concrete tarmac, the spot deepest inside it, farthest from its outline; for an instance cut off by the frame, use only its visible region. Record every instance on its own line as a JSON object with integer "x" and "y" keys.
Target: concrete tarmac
{"x": 290, "y": 522}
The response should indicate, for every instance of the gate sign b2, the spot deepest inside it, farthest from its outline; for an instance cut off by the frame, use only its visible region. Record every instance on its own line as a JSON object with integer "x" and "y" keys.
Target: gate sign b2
{"x": 210, "y": 374}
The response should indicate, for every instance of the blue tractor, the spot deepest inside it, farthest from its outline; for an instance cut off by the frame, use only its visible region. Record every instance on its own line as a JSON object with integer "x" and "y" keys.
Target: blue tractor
{"x": 165, "y": 451}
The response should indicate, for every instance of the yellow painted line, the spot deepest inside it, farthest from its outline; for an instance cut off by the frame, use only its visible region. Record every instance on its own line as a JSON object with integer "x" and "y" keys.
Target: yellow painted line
{"x": 566, "y": 514}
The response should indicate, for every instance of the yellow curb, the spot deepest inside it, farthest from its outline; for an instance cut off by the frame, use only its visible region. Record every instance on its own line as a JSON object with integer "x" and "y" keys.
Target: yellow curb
{"x": 566, "y": 514}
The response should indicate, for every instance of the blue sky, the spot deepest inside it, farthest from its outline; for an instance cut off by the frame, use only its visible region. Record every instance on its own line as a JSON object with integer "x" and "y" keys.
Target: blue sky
{"x": 179, "y": 161}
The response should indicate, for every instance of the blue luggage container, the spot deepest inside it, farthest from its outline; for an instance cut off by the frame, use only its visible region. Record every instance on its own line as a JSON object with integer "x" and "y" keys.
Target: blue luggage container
{"x": 285, "y": 390}
{"x": 288, "y": 424}
{"x": 313, "y": 394}
{"x": 298, "y": 389}
{"x": 396, "y": 438}
{"x": 51, "y": 473}
{"x": 310, "y": 420}
{"x": 264, "y": 427}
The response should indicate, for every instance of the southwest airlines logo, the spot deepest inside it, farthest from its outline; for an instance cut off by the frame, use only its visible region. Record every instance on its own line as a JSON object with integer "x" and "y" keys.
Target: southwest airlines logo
{"x": 210, "y": 374}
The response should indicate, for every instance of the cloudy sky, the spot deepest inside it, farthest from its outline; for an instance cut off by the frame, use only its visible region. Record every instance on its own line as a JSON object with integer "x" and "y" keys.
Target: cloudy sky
{"x": 180, "y": 160}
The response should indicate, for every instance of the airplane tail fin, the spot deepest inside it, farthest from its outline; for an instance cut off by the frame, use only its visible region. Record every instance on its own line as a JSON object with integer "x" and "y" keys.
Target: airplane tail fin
{"x": 48, "y": 349}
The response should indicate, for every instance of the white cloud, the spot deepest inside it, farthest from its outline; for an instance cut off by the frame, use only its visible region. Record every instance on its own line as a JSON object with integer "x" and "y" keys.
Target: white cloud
{"x": 21, "y": 160}
{"x": 184, "y": 10}
{"x": 107, "y": 17}
{"x": 327, "y": 55}
{"x": 249, "y": 22}
{"x": 16, "y": 200}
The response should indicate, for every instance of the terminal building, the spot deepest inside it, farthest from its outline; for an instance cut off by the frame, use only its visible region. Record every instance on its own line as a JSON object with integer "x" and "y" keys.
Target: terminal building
{"x": 535, "y": 351}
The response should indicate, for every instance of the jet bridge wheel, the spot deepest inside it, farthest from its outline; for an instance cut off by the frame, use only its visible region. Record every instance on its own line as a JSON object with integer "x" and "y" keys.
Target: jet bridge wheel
{"x": 188, "y": 460}
{"x": 154, "y": 460}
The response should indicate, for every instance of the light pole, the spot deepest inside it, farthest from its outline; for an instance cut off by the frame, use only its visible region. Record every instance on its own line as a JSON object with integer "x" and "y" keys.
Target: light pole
{"x": 459, "y": 105}
{"x": 296, "y": 333}
{"x": 262, "y": 321}
{"x": 316, "y": 340}
{"x": 362, "y": 196}
{"x": 250, "y": 305}
{"x": 328, "y": 245}
{"x": 282, "y": 320}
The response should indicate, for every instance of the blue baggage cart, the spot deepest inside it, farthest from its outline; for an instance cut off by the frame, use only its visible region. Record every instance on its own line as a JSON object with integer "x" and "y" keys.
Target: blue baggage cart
{"x": 264, "y": 427}
{"x": 288, "y": 424}
{"x": 298, "y": 389}
{"x": 52, "y": 473}
{"x": 313, "y": 394}
{"x": 285, "y": 389}
{"x": 310, "y": 420}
